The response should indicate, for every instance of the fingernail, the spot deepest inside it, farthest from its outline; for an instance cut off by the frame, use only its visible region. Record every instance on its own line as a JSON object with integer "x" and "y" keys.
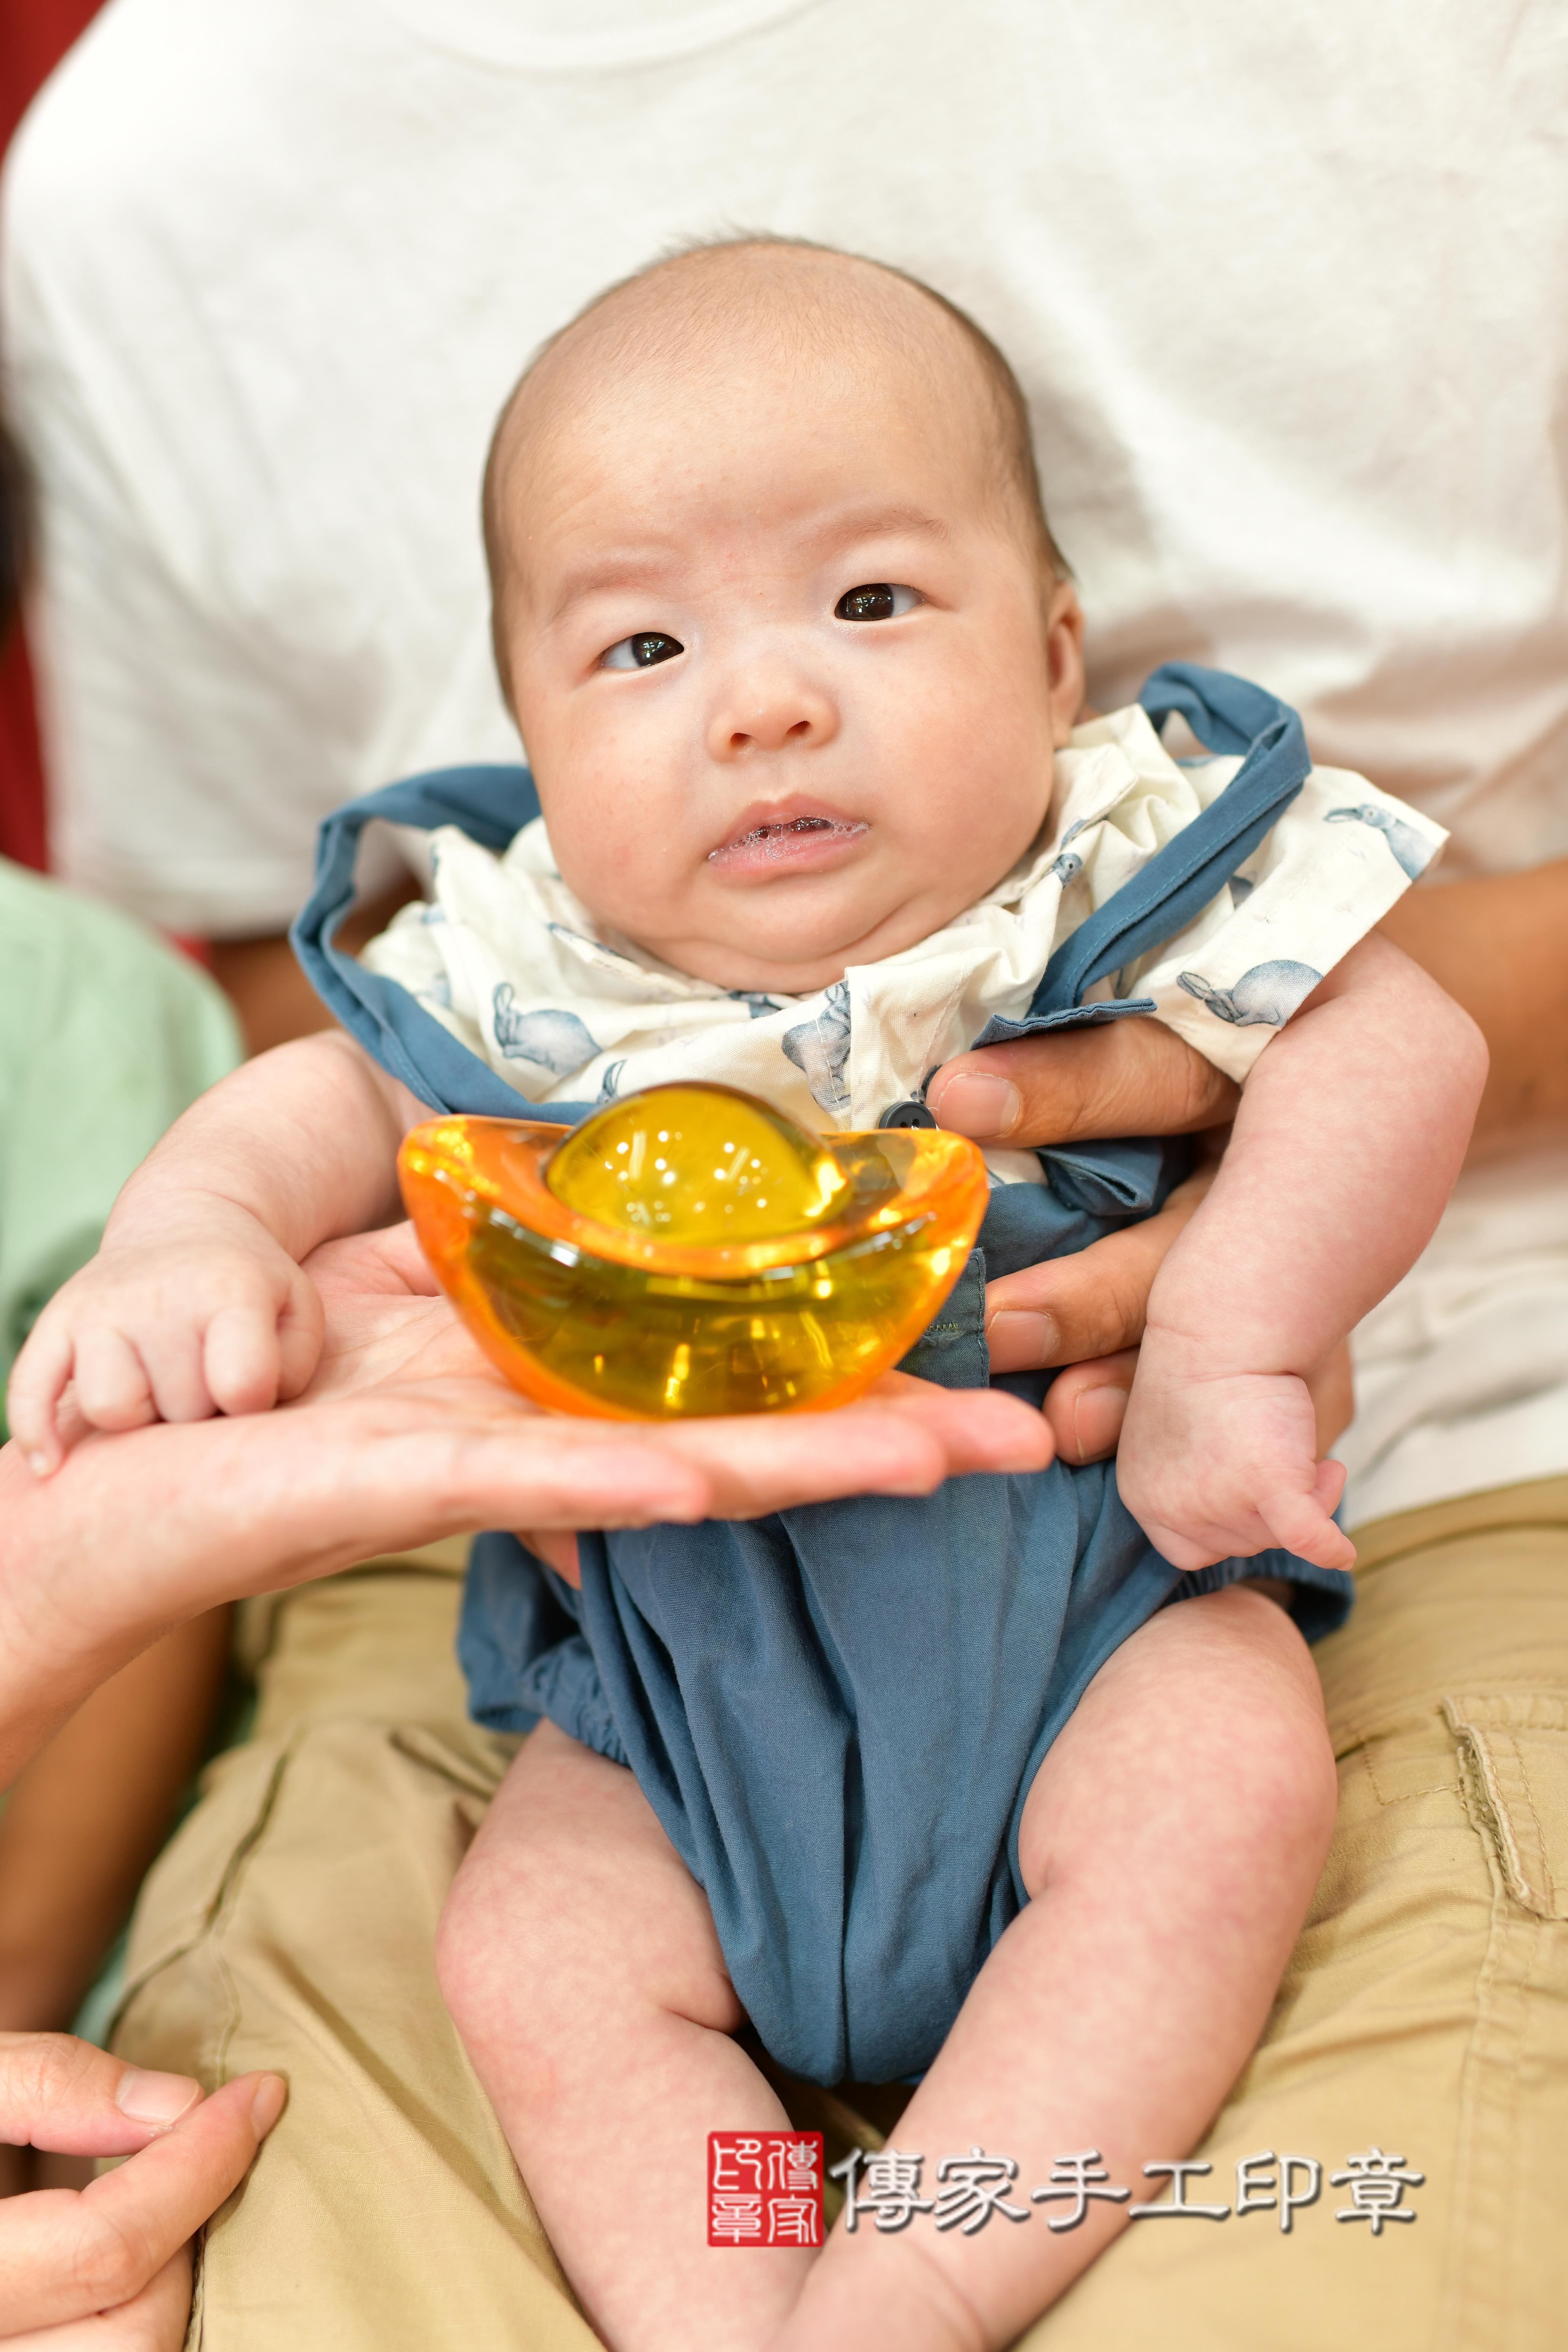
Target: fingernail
{"x": 148, "y": 2098}
{"x": 1023, "y": 1341}
{"x": 268, "y": 2103}
{"x": 974, "y": 1102}
{"x": 1097, "y": 1417}
{"x": 38, "y": 1464}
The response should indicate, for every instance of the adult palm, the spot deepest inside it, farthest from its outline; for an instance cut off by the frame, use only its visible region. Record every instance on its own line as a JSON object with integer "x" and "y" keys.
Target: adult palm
{"x": 406, "y": 1434}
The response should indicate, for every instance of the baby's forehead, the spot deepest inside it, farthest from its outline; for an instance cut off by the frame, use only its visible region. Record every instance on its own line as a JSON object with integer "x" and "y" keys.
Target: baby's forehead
{"x": 792, "y": 304}
{"x": 738, "y": 323}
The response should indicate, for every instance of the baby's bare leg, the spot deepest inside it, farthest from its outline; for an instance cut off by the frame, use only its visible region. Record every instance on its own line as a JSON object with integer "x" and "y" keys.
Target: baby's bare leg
{"x": 578, "y": 1958}
{"x": 1171, "y": 1845}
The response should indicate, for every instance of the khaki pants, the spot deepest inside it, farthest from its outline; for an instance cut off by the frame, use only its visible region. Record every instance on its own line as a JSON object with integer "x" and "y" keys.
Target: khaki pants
{"x": 1425, "y": 2014}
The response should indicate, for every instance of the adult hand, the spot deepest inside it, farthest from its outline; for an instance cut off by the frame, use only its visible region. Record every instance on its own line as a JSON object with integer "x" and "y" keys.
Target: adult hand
{"x": 116, "y": 2248}
{"x": 405, "y": 1434}
{"x": 393, "y": 1342}
{"x": 1132, "y": 1078}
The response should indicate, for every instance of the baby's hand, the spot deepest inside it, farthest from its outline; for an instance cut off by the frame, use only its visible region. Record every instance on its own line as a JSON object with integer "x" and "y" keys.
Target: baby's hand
{"x": 1220, "y": 1466}
{"x": 219, "y": 1320}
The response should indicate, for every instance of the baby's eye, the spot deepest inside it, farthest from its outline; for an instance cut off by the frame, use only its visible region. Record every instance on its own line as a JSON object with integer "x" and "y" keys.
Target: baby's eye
{"x": 641, "y": 652}
{"x": 879, "y": 600}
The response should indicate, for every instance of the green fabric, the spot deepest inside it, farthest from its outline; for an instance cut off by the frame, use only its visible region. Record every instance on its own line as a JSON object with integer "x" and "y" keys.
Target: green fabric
{"x": 106, "y": 1035}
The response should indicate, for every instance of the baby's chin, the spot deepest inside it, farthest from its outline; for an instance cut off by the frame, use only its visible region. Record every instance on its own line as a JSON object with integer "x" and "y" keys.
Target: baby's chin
{"x": 749, "y": 974}
{"x": 763, "y": 965}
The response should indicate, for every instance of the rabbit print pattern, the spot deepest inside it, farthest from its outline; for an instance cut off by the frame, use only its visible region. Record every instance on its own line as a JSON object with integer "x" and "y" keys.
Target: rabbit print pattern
{"x": 514, "y": 968}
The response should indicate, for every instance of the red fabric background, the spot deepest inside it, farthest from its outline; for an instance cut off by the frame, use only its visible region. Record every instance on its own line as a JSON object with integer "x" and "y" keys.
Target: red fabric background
{"x": 34, "y": 35}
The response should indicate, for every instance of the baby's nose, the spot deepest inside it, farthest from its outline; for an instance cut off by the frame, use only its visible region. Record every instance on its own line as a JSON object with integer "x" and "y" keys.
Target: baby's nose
{"x": 772, "y": 715}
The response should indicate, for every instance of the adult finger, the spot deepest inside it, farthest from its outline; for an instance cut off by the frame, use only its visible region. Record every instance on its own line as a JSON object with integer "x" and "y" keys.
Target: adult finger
{"x": 904, "y": 1438}
{"x": 1091, "y": 1304}
{"x": 556, "y": 1546}
{"x": 156, "y": 2320}
{"x": 186, "y": 1517}
{"x": 58, "y": 2093}
{"x": 1130, "y": 1077}
{"x": 971, "y": 1434}
{"x": 65, "y": 2254}
{"x": 1086, "y": 1405}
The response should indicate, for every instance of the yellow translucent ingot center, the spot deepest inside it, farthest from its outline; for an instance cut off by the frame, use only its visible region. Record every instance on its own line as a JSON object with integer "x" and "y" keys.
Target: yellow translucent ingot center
{"x": 691, "y": 1250}
{"x": 698, "y": 1164}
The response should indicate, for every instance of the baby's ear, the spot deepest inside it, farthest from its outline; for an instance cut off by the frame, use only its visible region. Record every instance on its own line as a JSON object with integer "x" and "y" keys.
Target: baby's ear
{"x": 1063, "y": 659}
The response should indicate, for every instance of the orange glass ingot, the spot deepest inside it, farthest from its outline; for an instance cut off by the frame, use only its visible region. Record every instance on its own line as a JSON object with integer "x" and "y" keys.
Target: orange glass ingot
{"x": 689, "y": 1251}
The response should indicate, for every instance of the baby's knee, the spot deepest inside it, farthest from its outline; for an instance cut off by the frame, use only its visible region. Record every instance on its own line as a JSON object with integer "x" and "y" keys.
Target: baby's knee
{"x": 1270, "y": 1782}
{"x": 505, "y": 1941}
{"x": 1288, "y": 1785}
{"x": 1201, "y": 1741}
{"x": 1285, "y": 1704}
{"x": 551, "y": 1931}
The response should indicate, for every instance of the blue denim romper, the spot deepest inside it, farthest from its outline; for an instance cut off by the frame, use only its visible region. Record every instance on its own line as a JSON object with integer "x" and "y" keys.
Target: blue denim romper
{"x": 837, "y": 1712}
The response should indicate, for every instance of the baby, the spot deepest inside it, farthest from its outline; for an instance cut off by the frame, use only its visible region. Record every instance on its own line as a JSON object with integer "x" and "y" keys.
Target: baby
{"x": 935, "y": 1787}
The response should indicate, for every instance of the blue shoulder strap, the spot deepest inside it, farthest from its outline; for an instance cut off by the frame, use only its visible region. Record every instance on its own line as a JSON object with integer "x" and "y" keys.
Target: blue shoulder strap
{"x": 1226, "y": 714}
{"x": 492, "y": 803}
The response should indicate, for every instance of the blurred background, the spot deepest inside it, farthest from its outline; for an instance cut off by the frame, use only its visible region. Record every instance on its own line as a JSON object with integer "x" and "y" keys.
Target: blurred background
{"x": 34, "y": 35}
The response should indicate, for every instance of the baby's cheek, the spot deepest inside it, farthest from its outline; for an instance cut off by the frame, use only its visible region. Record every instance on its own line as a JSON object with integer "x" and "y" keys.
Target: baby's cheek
{"x": 608, "y": 847}
{"x": 978, "y": 793}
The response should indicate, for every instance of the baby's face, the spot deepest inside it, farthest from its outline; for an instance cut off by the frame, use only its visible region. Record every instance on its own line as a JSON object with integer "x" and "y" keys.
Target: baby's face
{"x": 789, "y": 680}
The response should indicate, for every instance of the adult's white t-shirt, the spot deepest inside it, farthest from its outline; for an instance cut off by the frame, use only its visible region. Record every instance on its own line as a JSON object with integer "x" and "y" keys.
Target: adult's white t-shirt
{"x": 1283, "y": 286}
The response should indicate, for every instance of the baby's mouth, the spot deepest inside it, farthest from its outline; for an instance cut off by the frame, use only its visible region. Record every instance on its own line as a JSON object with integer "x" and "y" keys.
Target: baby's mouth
{"x": 775, "y": 840}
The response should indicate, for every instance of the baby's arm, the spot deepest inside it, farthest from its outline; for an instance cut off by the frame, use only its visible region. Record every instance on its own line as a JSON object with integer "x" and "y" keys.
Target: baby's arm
{"x": 195, "y": 1303}
{"x": 1352, "y": 1131}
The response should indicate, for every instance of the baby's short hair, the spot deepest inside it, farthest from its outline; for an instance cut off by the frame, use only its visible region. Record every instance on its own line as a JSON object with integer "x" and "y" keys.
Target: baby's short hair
{"x": 1016, "y": 473}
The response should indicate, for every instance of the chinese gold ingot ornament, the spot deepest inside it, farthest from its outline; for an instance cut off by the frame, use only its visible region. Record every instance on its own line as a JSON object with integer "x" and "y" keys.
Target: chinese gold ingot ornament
{"x": 688, "y": 1251}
